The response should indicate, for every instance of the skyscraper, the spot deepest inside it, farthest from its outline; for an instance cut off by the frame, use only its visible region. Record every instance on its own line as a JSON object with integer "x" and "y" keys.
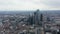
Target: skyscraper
{"x": 36, "y": 17}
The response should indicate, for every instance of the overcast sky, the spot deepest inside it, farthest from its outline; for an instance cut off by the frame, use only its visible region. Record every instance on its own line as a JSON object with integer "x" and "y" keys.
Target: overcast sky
{"x": 29, "y": 4}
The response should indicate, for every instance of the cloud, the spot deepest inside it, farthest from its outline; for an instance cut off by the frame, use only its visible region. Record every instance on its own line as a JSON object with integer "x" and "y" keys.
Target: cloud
{"x": 29, "y": 4}
{"x": 52, "y": 3}
{"x": 20, "y": 5}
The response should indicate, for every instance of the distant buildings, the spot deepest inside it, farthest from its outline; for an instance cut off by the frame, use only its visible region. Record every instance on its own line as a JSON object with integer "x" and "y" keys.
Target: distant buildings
{"x": 36, "y": 23}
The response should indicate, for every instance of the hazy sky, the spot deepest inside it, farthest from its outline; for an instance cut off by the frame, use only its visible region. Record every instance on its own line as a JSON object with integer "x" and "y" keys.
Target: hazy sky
{"x": 29, "y": 4}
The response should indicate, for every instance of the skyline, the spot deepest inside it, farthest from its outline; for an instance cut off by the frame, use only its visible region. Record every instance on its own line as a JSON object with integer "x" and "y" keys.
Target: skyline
{"x": 12, "y": 5}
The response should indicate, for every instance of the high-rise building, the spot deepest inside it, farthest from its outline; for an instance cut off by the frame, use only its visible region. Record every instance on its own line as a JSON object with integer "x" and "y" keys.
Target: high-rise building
{"x": 36, "y": 17}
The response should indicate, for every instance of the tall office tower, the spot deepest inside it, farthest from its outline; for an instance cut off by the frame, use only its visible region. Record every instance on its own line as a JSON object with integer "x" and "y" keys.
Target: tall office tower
{"x": 41, "y": 19}
{"x": 36, "y": 17}
{"x": 30, "y": 19}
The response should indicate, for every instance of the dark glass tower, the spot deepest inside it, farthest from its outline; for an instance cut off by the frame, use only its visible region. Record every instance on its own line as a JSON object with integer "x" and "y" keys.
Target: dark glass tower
{"x": 36, "y": 17}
